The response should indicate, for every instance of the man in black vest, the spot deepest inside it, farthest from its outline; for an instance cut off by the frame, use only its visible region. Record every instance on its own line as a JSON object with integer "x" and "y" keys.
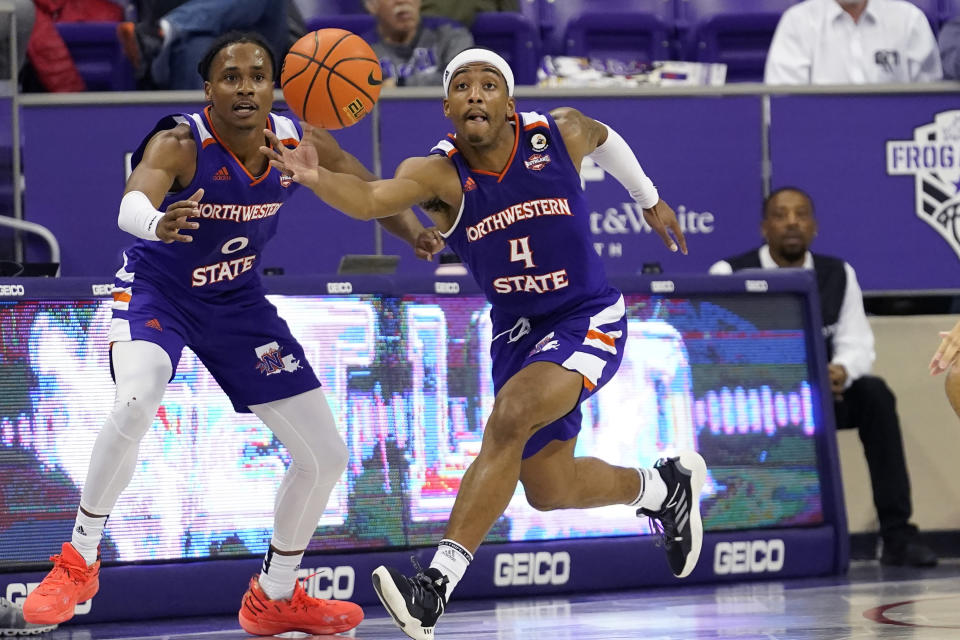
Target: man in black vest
{"x": 861, "y": 400}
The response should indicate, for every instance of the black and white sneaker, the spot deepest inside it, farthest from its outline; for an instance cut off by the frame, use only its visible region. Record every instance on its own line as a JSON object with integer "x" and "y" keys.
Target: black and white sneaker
{"x": 678, "y": 520}
{"x": 414, "y": 603}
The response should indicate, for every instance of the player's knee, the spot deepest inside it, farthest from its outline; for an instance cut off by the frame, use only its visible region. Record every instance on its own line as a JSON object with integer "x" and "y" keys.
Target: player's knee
{"x": 133, "y": 413}
{"x": 324, "y": 460}
{"x": 877, "y": 391}
{"x": 337, "y": 457}
{"x": 509, "y": 423}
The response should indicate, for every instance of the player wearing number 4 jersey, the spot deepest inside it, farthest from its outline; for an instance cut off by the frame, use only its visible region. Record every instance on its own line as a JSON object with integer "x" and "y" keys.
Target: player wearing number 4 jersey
{"x": 505, "y": 193}
{"x": 191, "y": 280}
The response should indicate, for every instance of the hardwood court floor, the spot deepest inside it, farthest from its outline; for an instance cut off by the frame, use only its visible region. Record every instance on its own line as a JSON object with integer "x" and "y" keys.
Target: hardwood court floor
{"x": 870, "y": 602}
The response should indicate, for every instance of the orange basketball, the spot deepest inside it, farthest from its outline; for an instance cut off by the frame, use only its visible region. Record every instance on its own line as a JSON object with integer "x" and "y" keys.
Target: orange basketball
{"x": 331, "y": 78}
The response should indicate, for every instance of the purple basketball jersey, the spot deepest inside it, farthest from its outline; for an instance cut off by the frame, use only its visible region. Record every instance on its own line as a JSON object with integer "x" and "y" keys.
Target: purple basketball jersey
{"x": 524, "y": 233}
{"x": 238, "y": 215}
{"x": 206, "y": 294}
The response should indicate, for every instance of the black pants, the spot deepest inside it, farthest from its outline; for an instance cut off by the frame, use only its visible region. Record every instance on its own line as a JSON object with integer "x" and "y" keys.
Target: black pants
{"x": 870, "y": 407}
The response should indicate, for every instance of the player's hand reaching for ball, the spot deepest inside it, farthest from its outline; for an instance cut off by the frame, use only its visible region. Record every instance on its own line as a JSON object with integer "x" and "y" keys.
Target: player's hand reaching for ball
{"x": 663, "y": 221}
{"x": 300, "y": 163}
{"x": 175, "y": 219}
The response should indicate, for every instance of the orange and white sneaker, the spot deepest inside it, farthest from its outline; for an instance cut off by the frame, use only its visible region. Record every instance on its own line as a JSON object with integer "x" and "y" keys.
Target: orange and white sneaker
{"x": 261, "y": 616}
{"x": 69, "y": 582}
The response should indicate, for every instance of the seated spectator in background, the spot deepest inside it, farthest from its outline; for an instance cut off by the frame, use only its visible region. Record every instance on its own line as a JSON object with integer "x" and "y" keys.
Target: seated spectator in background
{"x": 852, "y": 42}
{"x": 464, "y": 11}
{"x": 412, "y": 53}
{"x": 950, "y": 49}
{"x": 945, "y": 359}
{"x": 24, "y": 11}
{"x": 860, "y": 400}
{"x": 171, "y": 37}
{"x": 52, "y": 65}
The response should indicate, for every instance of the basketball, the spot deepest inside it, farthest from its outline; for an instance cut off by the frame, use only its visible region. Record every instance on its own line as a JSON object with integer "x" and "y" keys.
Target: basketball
{"x": 331, "y": 78}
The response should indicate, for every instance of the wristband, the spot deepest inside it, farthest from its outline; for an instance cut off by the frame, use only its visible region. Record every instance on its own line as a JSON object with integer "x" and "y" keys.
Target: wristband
{"x": 138, "y": 217}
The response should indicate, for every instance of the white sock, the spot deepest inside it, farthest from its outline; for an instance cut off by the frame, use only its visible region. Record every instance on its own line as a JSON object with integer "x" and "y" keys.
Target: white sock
{"x": 166, "y": 29}
{"x": 452, "y": 560}
{"x": 278, "y": 576}
{"x": 653, "y": 490}
{"x": 87, "y": 532}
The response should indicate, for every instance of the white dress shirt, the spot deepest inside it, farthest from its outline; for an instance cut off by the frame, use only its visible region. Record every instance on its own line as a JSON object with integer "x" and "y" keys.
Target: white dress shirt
{"x": 852, "y": 336}
{"x": 817, "y": 42}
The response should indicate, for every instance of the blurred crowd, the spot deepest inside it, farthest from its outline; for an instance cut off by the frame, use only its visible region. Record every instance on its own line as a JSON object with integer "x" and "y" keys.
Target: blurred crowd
{"x": 157, "y": 44}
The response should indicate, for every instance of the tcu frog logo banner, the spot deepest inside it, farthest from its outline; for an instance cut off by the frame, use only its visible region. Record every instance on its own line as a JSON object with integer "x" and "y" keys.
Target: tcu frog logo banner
{"x": 933, "y": 158}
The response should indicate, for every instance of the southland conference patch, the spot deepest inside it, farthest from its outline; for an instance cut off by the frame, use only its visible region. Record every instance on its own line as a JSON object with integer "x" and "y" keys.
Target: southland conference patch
{"x": 933, "y": 158}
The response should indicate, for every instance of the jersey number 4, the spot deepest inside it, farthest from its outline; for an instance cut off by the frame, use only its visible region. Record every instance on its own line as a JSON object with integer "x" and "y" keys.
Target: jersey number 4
{"x": 520, "y": 252}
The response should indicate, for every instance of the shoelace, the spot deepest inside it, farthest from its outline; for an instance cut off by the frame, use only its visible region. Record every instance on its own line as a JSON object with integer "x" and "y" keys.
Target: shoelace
{"x": 423, "y": 584}
{"x": 63, "y": 567}
{"x": 664, "y": 539}
{"x": 301, "y": 599}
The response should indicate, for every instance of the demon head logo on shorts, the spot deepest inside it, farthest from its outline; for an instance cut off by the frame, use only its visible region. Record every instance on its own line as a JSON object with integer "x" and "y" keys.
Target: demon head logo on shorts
{"x": 933, "y": 158}
{"x": 270, "y": 360}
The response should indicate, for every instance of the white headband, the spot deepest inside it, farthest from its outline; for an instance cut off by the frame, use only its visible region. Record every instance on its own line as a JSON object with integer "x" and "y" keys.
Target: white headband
{"x": 477, "y": 55}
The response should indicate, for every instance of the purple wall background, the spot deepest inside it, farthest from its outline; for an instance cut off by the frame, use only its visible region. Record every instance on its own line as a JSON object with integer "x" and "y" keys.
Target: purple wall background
{"x": 703, "y": 152}
{"x": 74, "y": 164}
{"x": 835, "y": 148}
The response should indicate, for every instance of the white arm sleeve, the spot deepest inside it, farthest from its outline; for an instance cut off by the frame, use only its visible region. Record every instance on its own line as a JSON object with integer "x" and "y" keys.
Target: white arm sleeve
{"x": 617, "y": 158}
{"x": 138, "y": 217}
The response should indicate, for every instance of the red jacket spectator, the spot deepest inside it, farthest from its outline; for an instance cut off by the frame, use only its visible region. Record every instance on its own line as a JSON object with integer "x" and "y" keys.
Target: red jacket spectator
{"x": 46, "y": 50}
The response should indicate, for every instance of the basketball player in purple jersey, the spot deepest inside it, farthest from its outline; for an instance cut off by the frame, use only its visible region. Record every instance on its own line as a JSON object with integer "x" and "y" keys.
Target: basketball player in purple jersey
{"x": 505, "y": 193}
{"x": 203, "y": 201}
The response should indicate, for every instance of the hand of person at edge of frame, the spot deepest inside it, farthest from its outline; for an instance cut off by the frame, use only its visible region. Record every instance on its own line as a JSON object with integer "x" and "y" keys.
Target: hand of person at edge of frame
{"x": 838, "y": 378}
{"x": 946, "y": 354}
{"x": 663, "y": 221}
{"x": 296, "y": 163}
{"x": 175, "y": 219}
{"x": 429, "y": 243}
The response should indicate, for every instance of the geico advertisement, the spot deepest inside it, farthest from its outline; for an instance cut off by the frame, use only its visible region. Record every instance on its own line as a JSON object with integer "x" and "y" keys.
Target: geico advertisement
{"x": 748, "y": 556}
{"x": 540, "y": 568}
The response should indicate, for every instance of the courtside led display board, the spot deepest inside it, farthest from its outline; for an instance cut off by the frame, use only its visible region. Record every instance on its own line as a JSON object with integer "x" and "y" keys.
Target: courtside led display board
{"x": 408, "y": 379}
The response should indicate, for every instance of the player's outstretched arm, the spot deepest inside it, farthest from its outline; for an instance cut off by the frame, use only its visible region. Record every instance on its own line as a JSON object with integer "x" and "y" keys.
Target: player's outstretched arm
{"x": 404, "y": 224}
{"x": 349, "y": 193}
{"x": 170, "y": 158}
{"x": 584, "y": 136}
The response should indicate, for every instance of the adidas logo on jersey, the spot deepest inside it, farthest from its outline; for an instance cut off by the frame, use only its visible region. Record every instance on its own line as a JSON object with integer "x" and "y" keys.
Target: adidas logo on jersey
{"x": 222, "y": 174}
{"x": 469, "y": 185}
{"x": 153, "y": 323}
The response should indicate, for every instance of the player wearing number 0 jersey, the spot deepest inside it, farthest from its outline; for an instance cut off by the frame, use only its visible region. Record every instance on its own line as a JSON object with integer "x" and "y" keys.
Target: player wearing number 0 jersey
{"x": 505, "y": 192}
{"x": 191, "y": 280}
{"x": 238, "y": 214}
{"x": 187, "y": 293}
